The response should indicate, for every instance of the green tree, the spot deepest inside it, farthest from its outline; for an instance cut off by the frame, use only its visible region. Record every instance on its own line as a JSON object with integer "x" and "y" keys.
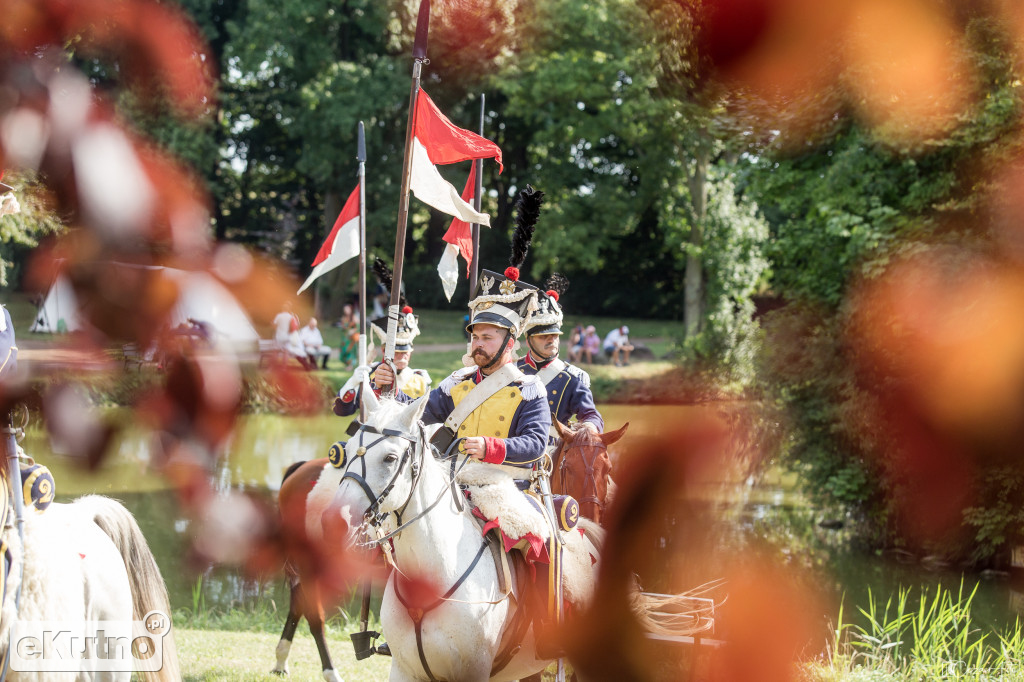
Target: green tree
{"x": 21, "y": 231}
{"x": 840, "y": 210}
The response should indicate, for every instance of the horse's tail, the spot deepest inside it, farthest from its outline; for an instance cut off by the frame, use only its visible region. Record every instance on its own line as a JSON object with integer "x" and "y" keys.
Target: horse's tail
{"x": 675, "y": 615}
{"x": 148, "y": 589}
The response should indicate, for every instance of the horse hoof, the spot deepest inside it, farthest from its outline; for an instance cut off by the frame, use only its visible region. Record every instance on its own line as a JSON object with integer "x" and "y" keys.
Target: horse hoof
{"x": 383, "y": 649}
{"x": 332, "y": 676}
{"x": 282, "y": 672}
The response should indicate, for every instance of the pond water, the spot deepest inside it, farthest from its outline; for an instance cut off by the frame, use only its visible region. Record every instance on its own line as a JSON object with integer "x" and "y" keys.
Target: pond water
{"x": 266, "y": 445}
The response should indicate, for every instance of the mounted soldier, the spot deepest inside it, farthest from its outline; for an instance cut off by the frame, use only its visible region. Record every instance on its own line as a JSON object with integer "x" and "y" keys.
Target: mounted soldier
{"x": 412, "y": 382}
{"x": 501, "y": 416}
{"x": 566, "y": 386}
{"x": 498, "y": 411}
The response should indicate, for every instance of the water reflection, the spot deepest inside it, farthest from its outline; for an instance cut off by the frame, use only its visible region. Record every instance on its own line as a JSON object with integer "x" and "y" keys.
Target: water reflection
{"x": 256, "y": 459}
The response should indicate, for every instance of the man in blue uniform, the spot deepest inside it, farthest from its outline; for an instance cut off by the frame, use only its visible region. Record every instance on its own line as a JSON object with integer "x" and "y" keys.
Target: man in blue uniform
{"x": 499, "y": 411}
{"x": 412, "y": 382}
{"x": 566, "y": 387}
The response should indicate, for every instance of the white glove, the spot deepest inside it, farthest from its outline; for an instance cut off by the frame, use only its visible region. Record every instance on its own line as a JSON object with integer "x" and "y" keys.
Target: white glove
{"x": 359, "y": 372}
{"x": 355, "y": 381}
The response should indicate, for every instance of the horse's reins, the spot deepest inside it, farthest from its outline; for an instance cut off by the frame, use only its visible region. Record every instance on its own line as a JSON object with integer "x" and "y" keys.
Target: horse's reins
{"x": 372, "y": 517}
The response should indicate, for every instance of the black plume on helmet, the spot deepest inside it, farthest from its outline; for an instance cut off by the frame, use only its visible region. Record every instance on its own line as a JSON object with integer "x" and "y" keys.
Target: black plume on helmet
{"x": 527, "y": 212}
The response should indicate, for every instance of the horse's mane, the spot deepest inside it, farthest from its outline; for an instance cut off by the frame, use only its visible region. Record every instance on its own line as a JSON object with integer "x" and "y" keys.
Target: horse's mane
{"x": 388, "y": 410}
{"x": 582, "y": 437}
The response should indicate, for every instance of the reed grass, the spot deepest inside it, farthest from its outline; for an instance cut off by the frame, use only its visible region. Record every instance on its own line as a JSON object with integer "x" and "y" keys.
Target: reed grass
{"x": 933, "y": 638}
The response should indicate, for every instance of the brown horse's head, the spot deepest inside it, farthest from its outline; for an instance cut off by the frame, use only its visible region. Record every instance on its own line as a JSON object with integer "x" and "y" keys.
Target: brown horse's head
{"x": 583, "y": 469}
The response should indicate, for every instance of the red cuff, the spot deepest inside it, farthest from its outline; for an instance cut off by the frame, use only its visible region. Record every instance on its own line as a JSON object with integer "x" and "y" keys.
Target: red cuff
{"x": 494, "y": 450}
{"x": 349, "y": 396}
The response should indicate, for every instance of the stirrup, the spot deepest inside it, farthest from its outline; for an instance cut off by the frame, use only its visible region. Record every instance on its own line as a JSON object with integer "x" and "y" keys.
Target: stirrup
{"x": 363, "y": 644}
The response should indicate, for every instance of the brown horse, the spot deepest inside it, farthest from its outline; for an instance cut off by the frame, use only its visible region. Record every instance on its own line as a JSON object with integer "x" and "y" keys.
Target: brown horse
{"x": 305, "y": 599}
{"x": 582, "y": 468}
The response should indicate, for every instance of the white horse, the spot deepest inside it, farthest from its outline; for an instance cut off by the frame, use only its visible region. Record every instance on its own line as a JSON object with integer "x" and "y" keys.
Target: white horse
{"x": 457, "y": 635}
{"x": 84, "y": 561}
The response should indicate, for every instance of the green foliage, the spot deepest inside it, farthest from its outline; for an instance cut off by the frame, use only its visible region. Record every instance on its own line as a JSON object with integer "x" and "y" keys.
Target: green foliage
{"x": 21, "y": 231}
{"x": 839, "y": 211}
{"x": 998, "y": 523}
{"x": 808, "y": 378}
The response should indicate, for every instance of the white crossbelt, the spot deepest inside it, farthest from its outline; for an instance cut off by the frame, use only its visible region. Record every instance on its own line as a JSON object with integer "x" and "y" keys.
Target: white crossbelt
{"x": 546, "y": 375}
{"x": 553, "y": 369}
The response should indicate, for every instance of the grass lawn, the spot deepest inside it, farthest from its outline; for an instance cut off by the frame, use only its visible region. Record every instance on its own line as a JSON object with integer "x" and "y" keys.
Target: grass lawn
{"x": 445, "y": 328}
{"x": 218, "y": 655}
{"x": 209, "y": 655}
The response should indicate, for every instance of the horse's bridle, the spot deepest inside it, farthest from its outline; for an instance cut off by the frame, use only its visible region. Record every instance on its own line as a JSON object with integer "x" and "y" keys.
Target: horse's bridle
{"x": 372, "y": 514}
{"x": 588, "y": 468}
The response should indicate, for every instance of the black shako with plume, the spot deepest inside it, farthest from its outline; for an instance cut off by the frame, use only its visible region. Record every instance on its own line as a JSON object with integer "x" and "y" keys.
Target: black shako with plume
{"x": 503, "y": 299}
{"x": 557, "y": 284}
{"x": 386, "y": 278}
{"x": 408, "y": 324}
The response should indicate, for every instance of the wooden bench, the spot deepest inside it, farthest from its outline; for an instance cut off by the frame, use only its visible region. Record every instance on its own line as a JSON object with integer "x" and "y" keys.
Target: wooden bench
{"x": 271, "y": 352}
{"x": 132, "y": 356}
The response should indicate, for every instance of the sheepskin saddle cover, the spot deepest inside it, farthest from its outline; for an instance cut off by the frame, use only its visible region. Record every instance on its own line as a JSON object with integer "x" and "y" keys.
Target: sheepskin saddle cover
{"x": 496, "y": 496}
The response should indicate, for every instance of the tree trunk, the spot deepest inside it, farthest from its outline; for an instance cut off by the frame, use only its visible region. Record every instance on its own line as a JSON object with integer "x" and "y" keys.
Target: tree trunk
{"x": 693, "y": 282}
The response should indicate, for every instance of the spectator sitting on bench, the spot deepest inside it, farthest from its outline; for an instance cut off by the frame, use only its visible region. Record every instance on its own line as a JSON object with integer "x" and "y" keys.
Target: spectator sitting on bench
{"x": 286, "y": 334}
{"x": 589, "y": 344}
{"x": 617, "y": 346}
{"x": 313, "y": 341}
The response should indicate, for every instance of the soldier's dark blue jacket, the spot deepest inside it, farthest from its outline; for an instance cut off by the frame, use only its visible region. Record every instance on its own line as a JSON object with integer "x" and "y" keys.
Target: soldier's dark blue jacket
{"x": 514, "y": 421}
{"x": 567, "y": 394}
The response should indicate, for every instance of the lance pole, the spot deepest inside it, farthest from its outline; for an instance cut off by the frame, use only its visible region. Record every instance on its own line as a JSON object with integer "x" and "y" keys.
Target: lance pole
{"x": 362, "y": 640}
{"x": 361, "y": 156}
{"x": 419, "y": 55}
{"x": 477, "y": 204}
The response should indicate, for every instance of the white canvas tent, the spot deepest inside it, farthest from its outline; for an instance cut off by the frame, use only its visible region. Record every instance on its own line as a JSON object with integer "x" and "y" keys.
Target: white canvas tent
{"x": 201, "y": 298}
